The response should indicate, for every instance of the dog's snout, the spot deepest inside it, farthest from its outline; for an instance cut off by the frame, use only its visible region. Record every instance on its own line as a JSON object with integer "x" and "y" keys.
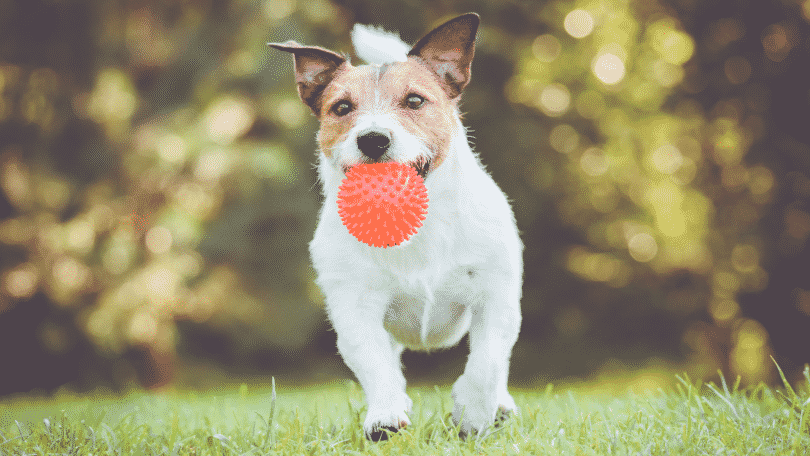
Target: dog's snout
{"x": 373, "y": 144}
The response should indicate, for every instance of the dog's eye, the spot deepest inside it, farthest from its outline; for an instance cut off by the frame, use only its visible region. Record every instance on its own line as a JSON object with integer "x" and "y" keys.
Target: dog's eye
{"x": 341, "y": 108}
{"x": 414, "y": 101}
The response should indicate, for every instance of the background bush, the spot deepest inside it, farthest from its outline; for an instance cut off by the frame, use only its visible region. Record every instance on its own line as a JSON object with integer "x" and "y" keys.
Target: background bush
{"x": 157, "y": 194}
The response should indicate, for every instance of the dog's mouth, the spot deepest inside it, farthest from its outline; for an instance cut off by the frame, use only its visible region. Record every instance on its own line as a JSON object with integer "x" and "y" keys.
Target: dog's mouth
{"x": 422, "y": 166}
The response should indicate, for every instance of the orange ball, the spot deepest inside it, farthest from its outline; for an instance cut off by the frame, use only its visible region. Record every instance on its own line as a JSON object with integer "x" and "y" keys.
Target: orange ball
{"x": 382, "y": 204}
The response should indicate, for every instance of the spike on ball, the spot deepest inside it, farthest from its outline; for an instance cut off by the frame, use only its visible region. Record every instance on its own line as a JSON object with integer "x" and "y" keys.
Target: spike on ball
{"x": 382, "y": 204}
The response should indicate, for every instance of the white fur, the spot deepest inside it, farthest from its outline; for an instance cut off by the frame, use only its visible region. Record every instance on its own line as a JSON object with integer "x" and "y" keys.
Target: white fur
{"x": 461, "y": 272}
{"x": 375, "y": 45}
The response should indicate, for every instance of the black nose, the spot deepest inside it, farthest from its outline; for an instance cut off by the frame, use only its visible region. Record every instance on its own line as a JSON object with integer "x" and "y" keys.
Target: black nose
{"x": 373, "y": 144}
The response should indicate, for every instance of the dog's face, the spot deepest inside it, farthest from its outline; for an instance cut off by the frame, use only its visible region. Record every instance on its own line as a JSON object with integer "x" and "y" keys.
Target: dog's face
{"x": 400, "y": 111}
{"x": 394, "y": 112}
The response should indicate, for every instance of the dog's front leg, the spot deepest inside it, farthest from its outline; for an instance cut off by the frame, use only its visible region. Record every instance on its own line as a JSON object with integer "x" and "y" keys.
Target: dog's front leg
{"x": 481, "y": 391}
{"x": 369, "y": 351}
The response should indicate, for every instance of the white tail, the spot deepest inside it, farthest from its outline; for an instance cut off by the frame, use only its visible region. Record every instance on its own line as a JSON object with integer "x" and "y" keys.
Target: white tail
{"x": 375, "y": 45}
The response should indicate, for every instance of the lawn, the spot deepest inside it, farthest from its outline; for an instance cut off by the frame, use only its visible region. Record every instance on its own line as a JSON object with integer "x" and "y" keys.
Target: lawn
{"x": 689, "y": 418}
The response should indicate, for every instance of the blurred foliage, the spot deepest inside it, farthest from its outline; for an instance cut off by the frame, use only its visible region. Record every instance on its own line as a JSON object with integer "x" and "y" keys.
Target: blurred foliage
{"x": 116, "y": 171}
{"x": 658, "y": 171}
{"x": 642, "y": 166}
{"x": 158, "y": 194}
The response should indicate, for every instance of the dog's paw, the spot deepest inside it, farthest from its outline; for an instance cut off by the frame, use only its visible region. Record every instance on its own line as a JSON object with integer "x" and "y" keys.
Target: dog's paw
{"x": 471, "y": 407}
{"x": 379, "y": 427}
{"x": 381, "y": 421}
{"x": 476, "y": 409}
{"x": 506, "y": 408}
{"x": 381, "y": 432}
{"x": 503, "y": 414}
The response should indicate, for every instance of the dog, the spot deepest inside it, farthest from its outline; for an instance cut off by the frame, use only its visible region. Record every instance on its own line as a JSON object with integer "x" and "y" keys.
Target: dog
{"x": 462, "y": 271}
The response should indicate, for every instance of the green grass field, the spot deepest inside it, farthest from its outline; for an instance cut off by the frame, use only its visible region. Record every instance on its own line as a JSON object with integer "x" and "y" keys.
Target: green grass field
{"x": 578, "y": 420}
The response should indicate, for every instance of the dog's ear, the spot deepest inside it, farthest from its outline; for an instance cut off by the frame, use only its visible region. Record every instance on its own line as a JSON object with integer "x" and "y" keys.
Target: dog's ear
{"x": 449, "y": 50}
{"x": 314, "y": 69}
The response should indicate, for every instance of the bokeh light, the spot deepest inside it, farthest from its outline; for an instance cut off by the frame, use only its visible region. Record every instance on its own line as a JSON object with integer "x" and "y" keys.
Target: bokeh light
{"x": 119, "y": 252}
{"x": 666, "y": 200}
{"x": 608, "y": 68}
{"x": 563, "y": 138}
{"x": 291, "y": 112}
{"x": 642, "y": 247}
{"x": 777, "y": 42}
{"x": 112, "y": 101}
{"x": 667, "y": 74}
{"x": 555, "y": 99}
{"x": 673, "y": 45}
{"x": 212, "y": 164}
{"x": 749, "y": 356}
{"x": 143, "y": 328}
{"x": 724, "y": 310}
{"x": 579, "y": 23}
{"x": 666, "y": 159}
{"x": 21, "y": 282}
{"x": 172, "y": 148}
{"x": 279, "y": 9}
{"x": 593, "y": 162}
{"x": 737, "y": 69}
{"x": 229, "y": 118}
{"x": 158, "y": 240}
{"x": 745, "y": 258}
{"x": 16, "y": 182}
{"x": 80, "y": 236}
{"x": 546, "y": 48}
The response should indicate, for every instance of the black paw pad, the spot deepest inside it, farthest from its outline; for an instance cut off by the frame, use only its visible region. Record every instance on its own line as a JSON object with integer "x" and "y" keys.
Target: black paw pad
{"x": 381, "y": 433}
{"x": 502, "y": 415}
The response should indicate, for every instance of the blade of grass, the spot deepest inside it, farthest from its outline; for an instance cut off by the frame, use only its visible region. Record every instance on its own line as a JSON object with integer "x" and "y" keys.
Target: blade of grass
{"x": 806, "y": 373}
{"x": 723, "y": 381}
{"x": 23, "y": 437}
{"x": 688, "y": 428}
{"x": 724, "y": 399}
{"x": 793, "y": 396}
{"x": 272, "y": 412}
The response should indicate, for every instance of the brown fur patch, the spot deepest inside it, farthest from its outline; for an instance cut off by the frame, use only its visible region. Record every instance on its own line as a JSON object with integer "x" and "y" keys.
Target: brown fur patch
{"x": 355, "y": 84}
{"x": 433, "y": 122}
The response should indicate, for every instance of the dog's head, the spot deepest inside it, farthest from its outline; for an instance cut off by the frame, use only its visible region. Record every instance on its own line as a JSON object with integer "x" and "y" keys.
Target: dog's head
{"x": 404, "y": 111}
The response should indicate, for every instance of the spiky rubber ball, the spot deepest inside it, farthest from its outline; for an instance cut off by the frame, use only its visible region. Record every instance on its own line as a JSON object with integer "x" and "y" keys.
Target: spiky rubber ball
{"x": 382, "y": 204}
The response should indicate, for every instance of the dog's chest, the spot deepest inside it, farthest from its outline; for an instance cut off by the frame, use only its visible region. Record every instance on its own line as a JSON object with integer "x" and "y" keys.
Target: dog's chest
{"x": 428, "y": 316}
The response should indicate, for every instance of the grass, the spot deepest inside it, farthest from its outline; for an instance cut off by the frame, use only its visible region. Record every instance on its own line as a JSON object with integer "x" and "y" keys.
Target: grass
{"x": 691, "y": 418}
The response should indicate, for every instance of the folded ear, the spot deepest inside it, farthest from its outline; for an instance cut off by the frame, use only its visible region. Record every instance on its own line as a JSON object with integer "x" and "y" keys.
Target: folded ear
{"x": 449, "y": 50}
{"x": 314, "y": 69}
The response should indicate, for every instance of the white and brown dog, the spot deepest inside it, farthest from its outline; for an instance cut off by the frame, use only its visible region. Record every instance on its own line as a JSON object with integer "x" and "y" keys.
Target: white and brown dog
{"x": 462, "y": 271}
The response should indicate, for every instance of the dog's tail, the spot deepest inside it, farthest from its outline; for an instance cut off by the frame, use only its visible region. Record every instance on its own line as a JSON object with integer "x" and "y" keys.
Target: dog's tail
{"x": 375, "y": 45}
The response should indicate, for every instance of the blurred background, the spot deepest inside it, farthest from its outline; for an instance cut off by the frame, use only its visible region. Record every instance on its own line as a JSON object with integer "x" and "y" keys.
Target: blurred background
{"x": 157, "y": 192}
